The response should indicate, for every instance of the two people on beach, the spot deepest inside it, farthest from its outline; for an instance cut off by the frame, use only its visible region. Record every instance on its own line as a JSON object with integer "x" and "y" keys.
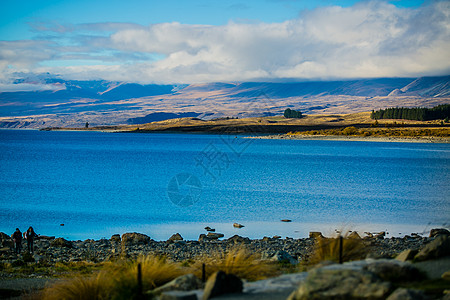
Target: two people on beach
{"x": 29, "y": 235}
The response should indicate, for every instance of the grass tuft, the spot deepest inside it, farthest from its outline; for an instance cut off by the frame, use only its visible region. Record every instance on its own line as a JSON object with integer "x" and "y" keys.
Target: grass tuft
{"x": 117, "y": 280}
{"x": 238, "y": 261}
{"x": 327, "y": 249}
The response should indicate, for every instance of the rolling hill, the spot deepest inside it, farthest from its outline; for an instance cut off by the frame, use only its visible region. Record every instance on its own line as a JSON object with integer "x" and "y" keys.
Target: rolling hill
{"x": 72, "y": 103}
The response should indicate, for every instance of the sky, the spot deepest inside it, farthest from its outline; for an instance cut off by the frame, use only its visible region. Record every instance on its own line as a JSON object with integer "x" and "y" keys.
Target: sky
{"x": 180, "y": 41}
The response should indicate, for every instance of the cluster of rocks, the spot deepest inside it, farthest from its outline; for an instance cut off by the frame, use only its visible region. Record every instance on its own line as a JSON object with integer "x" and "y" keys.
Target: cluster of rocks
{"x": 376, "y": 277}
{"x": 53, "y": 249}
{"x": 363, "y": 279}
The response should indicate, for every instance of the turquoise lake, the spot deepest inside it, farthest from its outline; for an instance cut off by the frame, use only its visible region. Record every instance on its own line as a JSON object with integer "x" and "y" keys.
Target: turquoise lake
{"x": 98, "y": 184}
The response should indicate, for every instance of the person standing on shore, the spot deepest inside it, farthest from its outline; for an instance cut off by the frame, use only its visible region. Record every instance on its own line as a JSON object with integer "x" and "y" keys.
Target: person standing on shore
{"x": 17, "y": 238}
{"x": 30, "y": 235}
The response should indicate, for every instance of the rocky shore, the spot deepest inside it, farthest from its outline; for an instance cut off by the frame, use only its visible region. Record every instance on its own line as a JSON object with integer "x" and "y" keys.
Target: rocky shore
{"x": 420, "y": 269}
{"x": 53, "y": 250}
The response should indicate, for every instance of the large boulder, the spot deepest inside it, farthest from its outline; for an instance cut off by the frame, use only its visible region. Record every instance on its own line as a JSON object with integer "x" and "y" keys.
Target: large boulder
{"x": 407, "y": 254}
{"x": 135, "y": 238}
{"x": 6, "y": 240}
{"x": 348, "y": 284}
{"x": 394, "y": 271}
{"x": 60, "y": 242}
{"x": 175, "y": 237}
{"x": 115, "y": 238}
{"x": 214, "y": 235}
{"x": 315, "y": 235}
{"x": 437, "y": 231}
{"x": 407, "y": 294}
{"x": 237, "y": 239}
{"x": 282, "y": 256}
{"x": 439, "y": 247}
{"x": 221, "y": 283}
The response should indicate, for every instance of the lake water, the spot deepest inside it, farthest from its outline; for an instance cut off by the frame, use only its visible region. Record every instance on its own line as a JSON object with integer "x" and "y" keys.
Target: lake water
{"x": 98, "y": 184}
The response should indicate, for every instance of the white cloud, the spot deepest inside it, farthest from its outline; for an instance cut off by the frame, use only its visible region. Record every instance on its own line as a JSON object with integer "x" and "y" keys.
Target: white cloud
{"x": 369, "y": 39}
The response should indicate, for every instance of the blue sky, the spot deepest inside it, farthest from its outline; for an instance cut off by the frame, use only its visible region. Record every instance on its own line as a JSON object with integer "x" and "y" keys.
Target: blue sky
{"x": 199, "y": 40}
{"x": 16, "y": 15}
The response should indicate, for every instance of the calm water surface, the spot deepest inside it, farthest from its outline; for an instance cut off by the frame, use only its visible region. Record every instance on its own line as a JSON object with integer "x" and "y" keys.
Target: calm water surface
{"x": 98, "y": 184}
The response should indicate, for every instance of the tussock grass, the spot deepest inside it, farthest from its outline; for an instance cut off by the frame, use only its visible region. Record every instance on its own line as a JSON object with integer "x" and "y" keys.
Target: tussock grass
{"x": 117, "y": 280}
{"x": 238, "y": 261}
{"x": 327, "y": 249}
{"x": 88, "y": 288}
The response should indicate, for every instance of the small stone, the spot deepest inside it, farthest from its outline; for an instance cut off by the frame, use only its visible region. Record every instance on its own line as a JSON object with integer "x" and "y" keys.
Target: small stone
{"x": 286, "y": 220}
{"x": 437, "y": 231}
{"x": 406, "y": 294}
{"x": 407, "y": 255}
{"x": 175, "y": 237}
{"x": 207, "y": 228}
{"x": 276, "y": 237}
{"x": 221, "y": 283}
{"x": 315, "y": 235}
{"x": 237, "y": 225}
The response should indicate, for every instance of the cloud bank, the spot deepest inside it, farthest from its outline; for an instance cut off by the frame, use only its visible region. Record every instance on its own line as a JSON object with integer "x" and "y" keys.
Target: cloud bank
{"x": 369, "y": 39}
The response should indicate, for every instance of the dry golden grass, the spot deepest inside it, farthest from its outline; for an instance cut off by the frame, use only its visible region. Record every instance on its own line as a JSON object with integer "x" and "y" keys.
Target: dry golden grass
{"x": 327, "y": 249}
{"x": 238, "y": 261}
{"x": 116, "y": 280}
{"x": 88, "y": 288}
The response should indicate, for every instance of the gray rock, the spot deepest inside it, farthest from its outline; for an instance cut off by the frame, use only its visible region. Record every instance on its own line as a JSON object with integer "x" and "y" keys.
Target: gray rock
{"x": 135, "y": 238}
{"x": 282, "y": 256}
{"x": 187, "y": 282}
{"x": 207, "y": 228}
{"x": 237, "y": 225}
{"x": 436, "y": 231}
{"x": 221, "y": 283}
{"x": 60, "y": 242}
{"x": 341, "y": 284}
{"x": 439, "y": 247}
{"x": 406, "y": 294}
{"x": 175, "y": 237}
{"x": 394, "y": 271}
{"x": 407, "y": 255}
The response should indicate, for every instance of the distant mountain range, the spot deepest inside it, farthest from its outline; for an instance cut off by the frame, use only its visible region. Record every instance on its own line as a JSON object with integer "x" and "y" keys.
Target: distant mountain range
{"x": 72, "y": 103}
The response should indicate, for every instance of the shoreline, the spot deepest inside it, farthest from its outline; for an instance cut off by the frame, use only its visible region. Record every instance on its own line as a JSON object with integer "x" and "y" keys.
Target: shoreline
{"x": 424, "y": 140}
{"x": 281, "y": 136}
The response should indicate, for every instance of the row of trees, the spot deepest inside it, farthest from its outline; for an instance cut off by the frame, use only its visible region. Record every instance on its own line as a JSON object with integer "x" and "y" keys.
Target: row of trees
{"x": 290, "y": 113}
{"x": 417, "y": 113}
